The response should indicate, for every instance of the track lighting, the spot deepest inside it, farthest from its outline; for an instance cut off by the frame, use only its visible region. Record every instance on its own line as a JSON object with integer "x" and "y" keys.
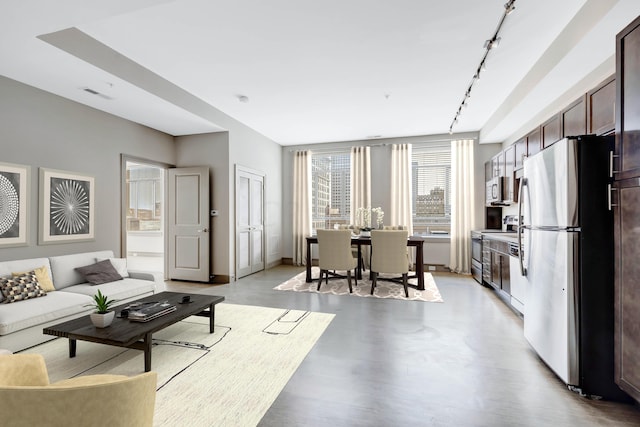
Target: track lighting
{"x": 489, "y": 44}
{"x": 509, "y": 7}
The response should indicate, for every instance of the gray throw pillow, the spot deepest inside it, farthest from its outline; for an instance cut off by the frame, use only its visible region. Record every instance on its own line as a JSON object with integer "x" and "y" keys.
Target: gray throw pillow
{"x": 99, "y": 273}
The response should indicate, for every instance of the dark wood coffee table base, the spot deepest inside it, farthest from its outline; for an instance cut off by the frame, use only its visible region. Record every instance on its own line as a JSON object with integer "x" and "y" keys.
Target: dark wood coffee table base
{"x": 136, "y": 335}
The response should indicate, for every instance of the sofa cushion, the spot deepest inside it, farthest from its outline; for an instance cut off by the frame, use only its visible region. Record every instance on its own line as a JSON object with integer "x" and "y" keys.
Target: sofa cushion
{"x": 43, "y": 276}
{"x": 36, "y": 311}
{"x": 100, "y": 272}
{"x": 8, "y": 267}
{"x": 21, "y": 288}
{"x": 63, "y": 268}
{"x": 120, "y": 290}
{"x": 120, "y": 264}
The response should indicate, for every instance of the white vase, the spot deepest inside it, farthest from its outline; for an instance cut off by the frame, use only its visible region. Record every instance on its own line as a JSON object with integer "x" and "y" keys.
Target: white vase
{"x": 102, "y": 320}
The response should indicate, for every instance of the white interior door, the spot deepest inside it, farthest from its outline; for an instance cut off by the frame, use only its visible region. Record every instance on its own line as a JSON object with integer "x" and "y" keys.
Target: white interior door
{"x": 249, "y": 222}
{"x": 189, "y": 220}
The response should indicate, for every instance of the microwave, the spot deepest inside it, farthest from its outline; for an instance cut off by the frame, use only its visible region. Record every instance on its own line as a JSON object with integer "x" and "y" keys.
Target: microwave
{"x": 493, "y": 193}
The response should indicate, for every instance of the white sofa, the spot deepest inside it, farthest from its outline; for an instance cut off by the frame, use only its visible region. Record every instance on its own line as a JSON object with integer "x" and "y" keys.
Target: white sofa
{"x": 21, "y": 323}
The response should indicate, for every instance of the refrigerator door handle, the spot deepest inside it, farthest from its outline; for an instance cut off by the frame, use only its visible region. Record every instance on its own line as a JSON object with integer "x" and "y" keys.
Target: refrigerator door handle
{"x": 523, "y": 183}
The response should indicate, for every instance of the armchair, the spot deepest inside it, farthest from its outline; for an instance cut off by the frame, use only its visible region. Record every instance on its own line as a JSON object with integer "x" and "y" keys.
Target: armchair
{"x": 95, "y": 400}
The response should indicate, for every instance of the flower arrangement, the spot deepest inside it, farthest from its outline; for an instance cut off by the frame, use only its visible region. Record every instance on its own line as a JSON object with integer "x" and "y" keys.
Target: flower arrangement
{"x": 363, "y": 216}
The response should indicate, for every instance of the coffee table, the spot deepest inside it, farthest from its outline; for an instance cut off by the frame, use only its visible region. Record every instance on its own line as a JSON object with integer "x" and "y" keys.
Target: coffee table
{"x": 137, "y": 335}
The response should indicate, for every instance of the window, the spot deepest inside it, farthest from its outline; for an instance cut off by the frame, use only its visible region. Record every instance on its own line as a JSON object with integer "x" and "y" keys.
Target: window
{"x": 331, "y": 189}
{"x": 144, "y": 186}
{"x": 431, "y": 182}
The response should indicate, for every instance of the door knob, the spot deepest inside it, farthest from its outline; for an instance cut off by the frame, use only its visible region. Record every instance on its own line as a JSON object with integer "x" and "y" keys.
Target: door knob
{"x": 204, "y": 230}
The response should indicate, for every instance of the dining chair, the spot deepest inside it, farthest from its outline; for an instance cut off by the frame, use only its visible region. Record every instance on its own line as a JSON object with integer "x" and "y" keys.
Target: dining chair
{"x": 389, "y": 255}
{"x": 355, "y": 230}
{"x": 334, "y": 247}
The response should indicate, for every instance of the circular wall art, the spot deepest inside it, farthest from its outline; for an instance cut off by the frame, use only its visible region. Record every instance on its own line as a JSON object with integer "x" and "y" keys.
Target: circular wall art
{"x": 69, "y": 206}
{"x": 9, "y": 204}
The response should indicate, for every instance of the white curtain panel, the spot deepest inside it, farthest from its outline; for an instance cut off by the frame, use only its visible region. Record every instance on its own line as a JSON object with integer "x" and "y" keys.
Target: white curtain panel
{"x": 360, "y": 180}
{"x": 462, "y": 203}
{"x": 301, "y": 205}
{"x": 401, "y": 191}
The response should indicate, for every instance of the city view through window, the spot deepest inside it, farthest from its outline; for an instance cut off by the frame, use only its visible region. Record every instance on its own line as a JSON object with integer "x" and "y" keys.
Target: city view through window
{"x": 431, "y": 187}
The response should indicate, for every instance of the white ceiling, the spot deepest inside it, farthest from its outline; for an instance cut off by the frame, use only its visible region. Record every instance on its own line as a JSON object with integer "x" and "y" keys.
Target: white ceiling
{"x": 314, "y": 71}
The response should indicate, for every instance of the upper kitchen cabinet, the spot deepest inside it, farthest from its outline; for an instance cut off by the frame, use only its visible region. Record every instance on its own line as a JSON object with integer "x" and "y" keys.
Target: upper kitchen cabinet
{"x": 601, "y": 119}
{"x": 520, "y": 152}
{"x": 533, "y": 142}
{"x": 628, "y": 101}
{"x": 510, "y": 190}
{"x": 551, "y": 131}
{"x": 574, "y": 118}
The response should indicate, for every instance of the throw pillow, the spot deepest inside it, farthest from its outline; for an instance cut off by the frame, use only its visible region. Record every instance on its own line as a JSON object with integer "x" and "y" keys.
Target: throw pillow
{"x": 42, "y": 274}
{"x": 120, "y": 264}
{"x": 20, "y": 288}
{"x": 99, "y": 273}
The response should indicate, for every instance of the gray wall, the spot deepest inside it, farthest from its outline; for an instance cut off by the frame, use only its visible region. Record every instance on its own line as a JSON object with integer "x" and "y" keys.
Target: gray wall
{"x": 44, "y": 130}
{"x": 212, "y": 150}
{"x": 222, "y": 152}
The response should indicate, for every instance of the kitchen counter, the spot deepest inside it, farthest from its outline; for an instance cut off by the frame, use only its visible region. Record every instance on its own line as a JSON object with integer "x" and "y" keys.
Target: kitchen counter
{"x": 508, "y": 236}
{"x": 511, "y": 237}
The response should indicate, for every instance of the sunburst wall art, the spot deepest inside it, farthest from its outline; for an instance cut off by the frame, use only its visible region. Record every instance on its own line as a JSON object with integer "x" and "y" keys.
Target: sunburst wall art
{"x": 14, "y": 189}
{"x": 67, "y": 207}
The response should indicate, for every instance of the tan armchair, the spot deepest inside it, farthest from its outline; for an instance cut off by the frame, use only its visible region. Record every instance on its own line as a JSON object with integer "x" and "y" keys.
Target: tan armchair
{"x": 389, "y": 255}
{"x": 334, "y": 247}
{"x": 93, "y": 400}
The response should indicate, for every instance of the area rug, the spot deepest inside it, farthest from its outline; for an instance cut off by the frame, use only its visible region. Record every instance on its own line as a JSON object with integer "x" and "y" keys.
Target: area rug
{"x": 228, "y": 378}
{"x": 384, "y": 289}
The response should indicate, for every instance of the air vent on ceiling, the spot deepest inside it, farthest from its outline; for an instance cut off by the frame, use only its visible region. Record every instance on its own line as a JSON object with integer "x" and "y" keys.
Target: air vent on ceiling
{"x": 95, "y": 92}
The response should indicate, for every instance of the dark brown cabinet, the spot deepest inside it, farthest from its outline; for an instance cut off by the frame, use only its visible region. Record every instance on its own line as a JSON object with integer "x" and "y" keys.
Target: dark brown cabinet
{"x": 551, "y": 131}
{"x": 627, "y": 211}
{"x": 533, "y": 142}
{"x": 574, "y": 118}
{"x": 510, "y": 192}
{"x": 601, "y": 101}
{"x": 521, "y": 152}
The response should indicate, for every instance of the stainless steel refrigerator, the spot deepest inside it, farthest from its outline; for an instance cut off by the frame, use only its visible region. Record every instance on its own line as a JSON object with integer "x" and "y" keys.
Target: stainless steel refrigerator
{"x": 566, "y": 241}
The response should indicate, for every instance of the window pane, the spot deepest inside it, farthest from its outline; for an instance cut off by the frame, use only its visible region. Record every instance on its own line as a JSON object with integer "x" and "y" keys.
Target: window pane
{"x": 431, "y": 174}
{"x": 331, "y": 189}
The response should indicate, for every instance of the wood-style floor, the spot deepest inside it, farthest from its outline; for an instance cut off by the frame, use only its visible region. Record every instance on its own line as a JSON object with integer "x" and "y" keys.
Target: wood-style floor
{"x": 386, "y": 362}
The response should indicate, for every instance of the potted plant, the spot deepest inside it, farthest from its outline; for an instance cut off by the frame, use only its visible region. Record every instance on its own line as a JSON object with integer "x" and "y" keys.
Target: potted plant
{"x": 102, "y": 317}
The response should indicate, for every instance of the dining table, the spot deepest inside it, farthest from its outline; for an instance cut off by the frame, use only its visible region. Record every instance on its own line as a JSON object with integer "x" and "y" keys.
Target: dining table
{"x": 360, "y": 241}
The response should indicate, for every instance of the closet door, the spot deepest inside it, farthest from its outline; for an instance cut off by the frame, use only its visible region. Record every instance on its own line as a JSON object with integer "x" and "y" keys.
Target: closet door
{"x": 249, "y": 222}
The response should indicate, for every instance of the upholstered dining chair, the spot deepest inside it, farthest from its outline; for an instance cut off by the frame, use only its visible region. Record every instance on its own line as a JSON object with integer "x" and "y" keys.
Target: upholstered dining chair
{"x": 389, "y": 255}
{"x": 92, "y": 400}
{"x": 400, "y": 227}
{"x": 334, "y": 247}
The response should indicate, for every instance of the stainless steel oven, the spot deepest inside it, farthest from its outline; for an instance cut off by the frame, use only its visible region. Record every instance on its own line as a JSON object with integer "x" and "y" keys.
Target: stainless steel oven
{"x": 476, "y": 256}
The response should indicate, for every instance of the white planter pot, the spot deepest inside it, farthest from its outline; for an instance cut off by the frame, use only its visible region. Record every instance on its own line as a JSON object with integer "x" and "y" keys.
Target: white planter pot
{"x": 102, "y": 320}
{"x": 365, "y": 233}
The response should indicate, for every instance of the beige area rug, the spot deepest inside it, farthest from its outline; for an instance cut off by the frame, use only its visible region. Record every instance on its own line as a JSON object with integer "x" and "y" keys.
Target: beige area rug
{"x": 228, "y": 378}
{"x": 384, "y": 289}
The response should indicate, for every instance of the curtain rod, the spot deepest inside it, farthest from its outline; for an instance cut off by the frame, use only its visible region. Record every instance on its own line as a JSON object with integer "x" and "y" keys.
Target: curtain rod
{"x": 347, "y": 148}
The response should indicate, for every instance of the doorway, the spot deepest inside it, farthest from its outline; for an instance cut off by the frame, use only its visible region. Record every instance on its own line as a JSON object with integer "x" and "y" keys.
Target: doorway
{"x": 144, "y": 212}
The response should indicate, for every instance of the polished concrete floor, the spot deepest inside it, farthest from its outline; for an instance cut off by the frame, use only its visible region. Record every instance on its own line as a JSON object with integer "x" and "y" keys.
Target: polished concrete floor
{"x": 386, "y": 362}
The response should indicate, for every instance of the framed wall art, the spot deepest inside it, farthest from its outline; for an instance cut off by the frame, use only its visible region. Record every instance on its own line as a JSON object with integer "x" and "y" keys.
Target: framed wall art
{"x": 67, "y": 207}
{"x": 14, "y": 200}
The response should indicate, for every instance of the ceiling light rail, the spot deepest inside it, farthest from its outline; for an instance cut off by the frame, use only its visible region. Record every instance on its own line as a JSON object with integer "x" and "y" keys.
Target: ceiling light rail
{"x": 489, "y": 44}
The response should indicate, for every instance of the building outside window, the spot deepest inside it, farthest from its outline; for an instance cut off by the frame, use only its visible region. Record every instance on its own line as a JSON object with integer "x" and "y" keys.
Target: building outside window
{"x": 331, "y": 189}
{"x": 431, "y": 182}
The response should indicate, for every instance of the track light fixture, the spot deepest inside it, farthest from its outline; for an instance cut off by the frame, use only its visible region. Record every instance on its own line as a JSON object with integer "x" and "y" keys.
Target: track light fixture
{"x": 489, "y": 44}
